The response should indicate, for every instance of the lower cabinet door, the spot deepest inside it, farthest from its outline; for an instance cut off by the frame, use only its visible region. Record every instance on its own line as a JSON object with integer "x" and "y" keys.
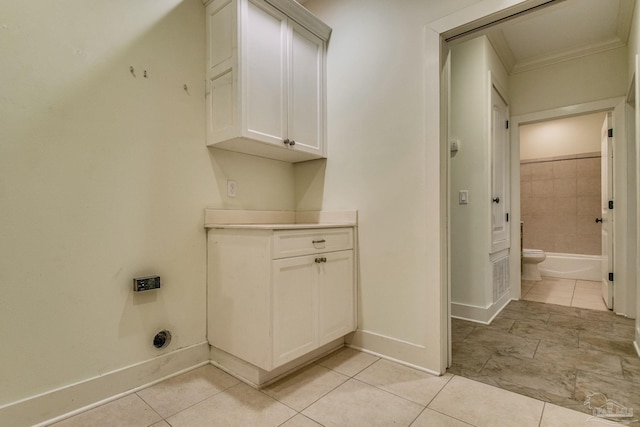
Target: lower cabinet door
{"x": 336, "y": 305}
{"x": 294, "y": 308}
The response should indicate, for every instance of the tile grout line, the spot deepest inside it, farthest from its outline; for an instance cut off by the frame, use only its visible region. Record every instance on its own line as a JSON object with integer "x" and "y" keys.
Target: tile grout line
{"x": 434, "y": 398}
{"x": 544, "y": 408}
{"x": 200, "y": 401}
{"x": 318, "y": 363}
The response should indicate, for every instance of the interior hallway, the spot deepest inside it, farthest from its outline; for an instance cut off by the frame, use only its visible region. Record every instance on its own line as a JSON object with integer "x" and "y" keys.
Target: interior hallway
{"x": 348, "y": 388}
{"x": 555, "y": 353}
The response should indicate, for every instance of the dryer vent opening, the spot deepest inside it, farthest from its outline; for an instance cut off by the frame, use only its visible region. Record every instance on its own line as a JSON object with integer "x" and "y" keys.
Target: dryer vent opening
{"x": 162, "y": 339}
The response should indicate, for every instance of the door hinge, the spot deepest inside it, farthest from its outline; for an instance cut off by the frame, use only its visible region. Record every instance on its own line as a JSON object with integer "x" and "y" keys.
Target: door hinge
{"x": 507, "y": 215}
{"x": 507, "y": 124}
{"x": 611, "y": 277}
{"x": 610, "y": 133}
{"x": 610, "y": 204}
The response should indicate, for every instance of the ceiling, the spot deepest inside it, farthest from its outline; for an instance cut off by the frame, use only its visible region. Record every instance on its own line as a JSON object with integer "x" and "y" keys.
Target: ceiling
{"x": 564, "y": 30}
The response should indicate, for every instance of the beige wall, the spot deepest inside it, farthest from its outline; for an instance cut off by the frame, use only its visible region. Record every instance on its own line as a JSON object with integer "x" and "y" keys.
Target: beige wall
{"x": 562, "y": 137}
{"x": 380, "y": 164}
{"x": 104, "y": 177}
{"x": 469, "y": 123}
{"x": 586, "y": 79}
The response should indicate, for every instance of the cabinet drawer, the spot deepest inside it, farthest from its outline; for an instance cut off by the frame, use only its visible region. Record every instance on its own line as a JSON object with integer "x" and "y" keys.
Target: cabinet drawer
{"x": 288, "y": 243}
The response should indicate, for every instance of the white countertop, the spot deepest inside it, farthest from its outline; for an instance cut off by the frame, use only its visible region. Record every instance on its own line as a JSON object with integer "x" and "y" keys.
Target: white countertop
{"x": 277, "y": 226}
{"x": 279, "y": 220}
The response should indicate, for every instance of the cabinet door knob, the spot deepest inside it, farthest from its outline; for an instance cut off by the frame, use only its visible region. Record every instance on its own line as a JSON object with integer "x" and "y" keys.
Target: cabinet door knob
{"x": 292, "y": 143}
{"x": 286, "y": 141}
{"x": 598, "y": 219}
{"x": 324, "y": 259}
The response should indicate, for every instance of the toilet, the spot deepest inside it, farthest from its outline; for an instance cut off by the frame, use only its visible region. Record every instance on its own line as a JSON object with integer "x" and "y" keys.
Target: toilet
{"x": 530, "y": 260}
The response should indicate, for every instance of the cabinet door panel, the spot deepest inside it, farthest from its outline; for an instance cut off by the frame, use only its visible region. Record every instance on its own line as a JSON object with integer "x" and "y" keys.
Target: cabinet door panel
{"x": 294, "y": 308}
{"x": 264, "y": 73}
{"x": 305, "y": 90}
{"x": 336, "y": 316}
{"x": 220, "y": 34}
{"x": 221, "y": 94}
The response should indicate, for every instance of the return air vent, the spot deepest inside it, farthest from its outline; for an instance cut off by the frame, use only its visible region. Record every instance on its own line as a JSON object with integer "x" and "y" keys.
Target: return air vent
{"x": 500, "y": 278}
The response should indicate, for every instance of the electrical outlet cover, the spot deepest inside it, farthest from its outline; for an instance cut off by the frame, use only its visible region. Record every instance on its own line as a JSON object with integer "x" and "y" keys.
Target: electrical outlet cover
{"x": 232, "y": 188}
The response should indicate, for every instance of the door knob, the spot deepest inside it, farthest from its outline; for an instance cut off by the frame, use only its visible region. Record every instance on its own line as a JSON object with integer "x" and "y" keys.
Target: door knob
{"x": 496, "y": 200}
{"x": 599, "y": 220}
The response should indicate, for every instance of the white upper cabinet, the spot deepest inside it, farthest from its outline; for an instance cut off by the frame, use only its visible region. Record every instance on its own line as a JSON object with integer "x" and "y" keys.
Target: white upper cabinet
{"x": 265, "y": 79}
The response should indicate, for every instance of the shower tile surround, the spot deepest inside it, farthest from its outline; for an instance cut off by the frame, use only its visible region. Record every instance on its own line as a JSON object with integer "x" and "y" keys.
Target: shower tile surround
{"x": 560, "y": 200}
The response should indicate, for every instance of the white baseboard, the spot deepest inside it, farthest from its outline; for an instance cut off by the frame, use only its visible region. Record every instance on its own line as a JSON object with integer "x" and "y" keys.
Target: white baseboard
{"x": 66, "y": 401}
{"x": 477, "y": 314}
{"x": 389, "y": 348}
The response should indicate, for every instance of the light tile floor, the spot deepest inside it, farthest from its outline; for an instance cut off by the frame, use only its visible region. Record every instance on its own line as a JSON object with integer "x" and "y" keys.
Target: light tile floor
{"x": 348, "y": 388}
{"x": 569, "y": 292}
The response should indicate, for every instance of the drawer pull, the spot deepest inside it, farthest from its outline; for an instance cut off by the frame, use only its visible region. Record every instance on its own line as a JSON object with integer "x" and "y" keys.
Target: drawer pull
{"x": 318, "y": 241}
{"x": 322, "y": 259}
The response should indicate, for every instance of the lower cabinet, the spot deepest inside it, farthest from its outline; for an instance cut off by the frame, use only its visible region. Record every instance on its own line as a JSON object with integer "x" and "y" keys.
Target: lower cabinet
{"x": 269, "y": 308}
{"x": 312, "y": 302}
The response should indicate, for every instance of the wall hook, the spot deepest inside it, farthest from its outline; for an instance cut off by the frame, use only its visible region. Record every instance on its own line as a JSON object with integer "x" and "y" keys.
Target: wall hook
{"x": 145, "y": 74}
{"x": 186, "y": 88}
{"x": 132, "y": 71}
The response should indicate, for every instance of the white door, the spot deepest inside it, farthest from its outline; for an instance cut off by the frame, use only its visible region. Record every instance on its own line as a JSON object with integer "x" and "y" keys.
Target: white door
{"x": 499, "y": 173}
{"x": 306, "y": 112}
{"x": 264, "y": 58}
{"x": 606, "y": 215}
{"x": 294, "y": 308}
{"x": 336, "y": 316}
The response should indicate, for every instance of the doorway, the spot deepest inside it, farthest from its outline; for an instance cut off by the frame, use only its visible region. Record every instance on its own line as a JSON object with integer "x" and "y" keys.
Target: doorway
{"x": 459, "y": 26}
{"x": 621, "y": 231}
{"x": 564, "y": 195}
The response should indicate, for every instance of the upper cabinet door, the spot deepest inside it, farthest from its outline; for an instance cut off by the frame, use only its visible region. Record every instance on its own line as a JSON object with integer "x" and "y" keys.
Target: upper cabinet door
{"x": 265, "y": 79}
{"x": 264, "y": 62}
{"x": 306, "y": 78}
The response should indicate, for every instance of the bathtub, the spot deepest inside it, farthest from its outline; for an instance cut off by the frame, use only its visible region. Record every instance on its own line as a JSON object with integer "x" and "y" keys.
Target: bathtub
{"x": 572, "y": 266}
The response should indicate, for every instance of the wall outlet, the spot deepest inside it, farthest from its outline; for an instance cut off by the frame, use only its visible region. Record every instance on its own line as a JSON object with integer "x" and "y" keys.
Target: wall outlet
{"x": 146, "y": 283}
{"x": 232, "y": 188}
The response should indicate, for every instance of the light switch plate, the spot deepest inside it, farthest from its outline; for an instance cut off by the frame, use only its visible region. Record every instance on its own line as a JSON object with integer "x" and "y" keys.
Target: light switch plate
{"x": 463, "y": 197}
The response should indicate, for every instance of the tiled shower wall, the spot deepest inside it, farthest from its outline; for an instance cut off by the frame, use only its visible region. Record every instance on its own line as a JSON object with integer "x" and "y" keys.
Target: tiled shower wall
{"x": 559, "y": 202}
